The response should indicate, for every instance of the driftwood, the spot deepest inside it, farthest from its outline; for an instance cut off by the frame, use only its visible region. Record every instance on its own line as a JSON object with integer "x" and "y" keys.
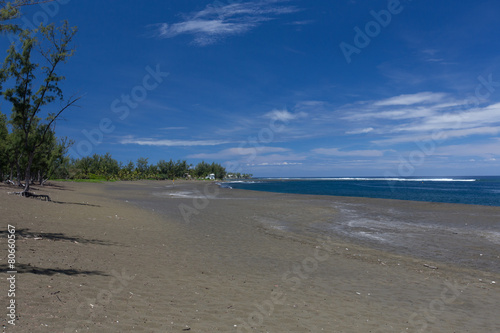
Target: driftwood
{"x": 32, "y": 195}
{"x": 10, "y": 182}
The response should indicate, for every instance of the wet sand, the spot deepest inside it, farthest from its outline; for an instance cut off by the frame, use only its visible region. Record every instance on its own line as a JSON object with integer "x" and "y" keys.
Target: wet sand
{"x": 163, "y": 257}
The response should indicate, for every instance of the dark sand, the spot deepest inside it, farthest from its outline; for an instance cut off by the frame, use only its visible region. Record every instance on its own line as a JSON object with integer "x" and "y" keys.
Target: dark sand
{"x": 158, "y": 257}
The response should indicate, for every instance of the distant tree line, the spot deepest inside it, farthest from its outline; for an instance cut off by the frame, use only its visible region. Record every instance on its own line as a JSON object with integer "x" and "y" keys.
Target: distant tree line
{"x": 53, "y": 163}
{"x": 106, "y": 167}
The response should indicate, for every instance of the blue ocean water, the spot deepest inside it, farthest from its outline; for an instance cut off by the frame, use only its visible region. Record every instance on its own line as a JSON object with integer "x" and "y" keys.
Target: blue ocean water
{"x": 484, "y": 190}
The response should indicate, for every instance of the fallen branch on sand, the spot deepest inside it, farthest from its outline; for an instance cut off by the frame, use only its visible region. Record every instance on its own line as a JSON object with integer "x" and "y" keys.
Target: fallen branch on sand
{"x": 32, "y": 195}
{"x": 431, "y": 267}
{"x": 10, "y": 182}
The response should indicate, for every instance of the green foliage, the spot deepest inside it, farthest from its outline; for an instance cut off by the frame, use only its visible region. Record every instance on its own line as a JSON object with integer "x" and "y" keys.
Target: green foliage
{"x": 172, "y": 170}
{"x": 34, "y": 86}
{"x": 142, "y": 165}
{"x": 104, "y": 167}
{"x": 11, "y": 10}
{"x": 94, "y": 167}
{"x": 203, "y": 169}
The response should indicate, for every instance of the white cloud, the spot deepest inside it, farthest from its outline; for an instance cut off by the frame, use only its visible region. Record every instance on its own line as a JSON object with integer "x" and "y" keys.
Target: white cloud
{"x": 274, "y": 159}
{"x": 338, "y": 152}
{"x": 459, "y": 120}
{"x": 440, "y": 135}
{"x": 284, "y": 115}
{"x": 206, "y": 31}
{"x": 304, "y": 22}
{"x": 400, "y": 113}
{"x": 170, "y": 143}
{"x": 484, "y": 149}
{"x": 423, "y": 116}
{"x": 275, "y": 164}
{"x": 240, "y": 152}
{"x": 215, "y": 22}
{"x": 419, "y": 98}
{"x": 360, "y": 131}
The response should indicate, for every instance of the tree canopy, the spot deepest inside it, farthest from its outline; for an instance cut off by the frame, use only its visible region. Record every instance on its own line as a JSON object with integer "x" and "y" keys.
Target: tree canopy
{"x": 10, "y": 10}
{"x": 34, "y": 87}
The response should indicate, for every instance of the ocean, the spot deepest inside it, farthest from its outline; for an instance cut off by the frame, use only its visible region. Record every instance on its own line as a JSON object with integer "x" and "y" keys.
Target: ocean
{"x": 484, "y": 190}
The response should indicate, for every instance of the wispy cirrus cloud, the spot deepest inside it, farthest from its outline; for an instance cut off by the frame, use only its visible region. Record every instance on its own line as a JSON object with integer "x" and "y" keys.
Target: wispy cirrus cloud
{"x": 344, "y": 153}
{"x": 284, "y": 115}
{"x": 445, "y": 134}
{"x": 276, "y": 164}
{"x": 288, "y": 159}
{"x": 240, "y": 152}
{"x": 416, "y": 117}
{"x": 170, "y": 143}
{"x": 473, "y": 118}
{"x": 217, "y": 22}
{"x": 484, "y": 149}
{"x": 360, "y": 131}
{"x": 411, "y": 99}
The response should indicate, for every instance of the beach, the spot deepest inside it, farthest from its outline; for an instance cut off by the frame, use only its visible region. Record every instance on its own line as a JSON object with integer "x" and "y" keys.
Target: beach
{"x": 190, "y": 256}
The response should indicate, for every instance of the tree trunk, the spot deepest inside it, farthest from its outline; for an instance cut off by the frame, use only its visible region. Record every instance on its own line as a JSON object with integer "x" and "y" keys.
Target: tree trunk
{"x": 18, "y": 173}
{"x": 27, "y": 174}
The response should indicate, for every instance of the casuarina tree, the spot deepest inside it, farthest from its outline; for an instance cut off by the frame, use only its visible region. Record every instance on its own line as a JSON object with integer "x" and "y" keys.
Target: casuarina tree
{"x": 37, "y": 101}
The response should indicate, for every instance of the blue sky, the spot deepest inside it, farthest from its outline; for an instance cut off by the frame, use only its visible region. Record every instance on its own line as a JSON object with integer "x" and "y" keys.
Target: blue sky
{"x": 287, "y": 87}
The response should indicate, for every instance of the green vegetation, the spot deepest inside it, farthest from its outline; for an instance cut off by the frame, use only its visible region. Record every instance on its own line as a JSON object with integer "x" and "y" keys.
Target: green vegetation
{"x": 10, "y": 10}
{"x": 29, "y": 148}
{"x": 104, "y": 167}
{"x": 30, "y": 72}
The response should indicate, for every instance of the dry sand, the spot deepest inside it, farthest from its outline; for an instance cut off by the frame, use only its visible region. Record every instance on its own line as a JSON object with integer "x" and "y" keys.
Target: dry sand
{"x": 153, "y": 257}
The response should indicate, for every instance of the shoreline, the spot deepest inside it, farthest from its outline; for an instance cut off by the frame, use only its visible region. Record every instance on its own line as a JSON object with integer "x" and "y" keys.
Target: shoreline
{"x": 466, "y": 190}
{"x": 232, "y": 266}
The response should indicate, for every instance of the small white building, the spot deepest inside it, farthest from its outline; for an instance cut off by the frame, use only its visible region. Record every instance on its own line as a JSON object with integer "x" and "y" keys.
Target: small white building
{"x": 211, "y": 176}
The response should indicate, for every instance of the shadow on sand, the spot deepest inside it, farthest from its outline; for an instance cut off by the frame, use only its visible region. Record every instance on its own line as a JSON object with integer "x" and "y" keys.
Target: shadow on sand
{"x": 23, "y": 269}
{"x": 74, "y": 203}
{"x": 27, "y": 234}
